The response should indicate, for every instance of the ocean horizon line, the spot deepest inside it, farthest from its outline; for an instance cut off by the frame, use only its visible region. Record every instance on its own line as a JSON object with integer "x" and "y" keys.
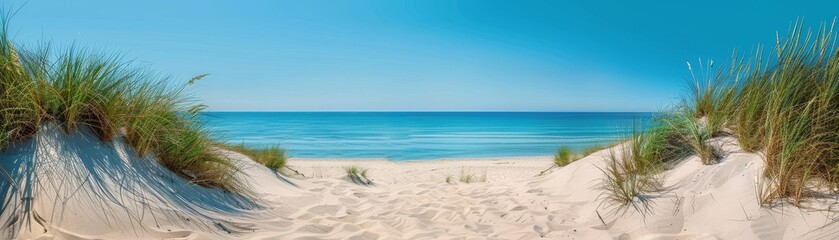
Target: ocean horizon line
{"x": 423, "y": 135}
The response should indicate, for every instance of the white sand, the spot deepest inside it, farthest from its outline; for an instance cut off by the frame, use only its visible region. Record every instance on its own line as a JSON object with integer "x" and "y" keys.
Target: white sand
{"x": 89, "y": 190}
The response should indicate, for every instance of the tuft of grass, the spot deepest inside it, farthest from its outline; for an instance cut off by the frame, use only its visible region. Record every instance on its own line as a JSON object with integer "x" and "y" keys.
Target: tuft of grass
{"x": 749, "y": 116}
{"x": 709, "y": 100}
{"x": 358, "y": 175}
{"x": 79, "y": 88}
{"x": 697, "y": 135}
{"x": 624, "y": 181}
{"x": 273, "y": 157}
{"x": 467, "y": 177}
{"x": 563, "y": 156}
{"x": 449, "y": 179}
{"x": 659, "y": 147}
{"x": 633, "y": 168}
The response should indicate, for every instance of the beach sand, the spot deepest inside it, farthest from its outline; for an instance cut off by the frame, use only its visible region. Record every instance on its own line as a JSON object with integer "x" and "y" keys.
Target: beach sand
{"x": 90, "y": 190}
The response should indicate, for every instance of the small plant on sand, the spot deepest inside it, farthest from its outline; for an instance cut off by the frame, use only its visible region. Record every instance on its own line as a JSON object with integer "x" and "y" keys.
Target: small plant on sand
{"x": 657, "y": 148}
{"x": 624, "y": 182}
{"x": 358, "y": 175}
{"x": 450, "y": 179}
{"x": 563, "y": 156}
{"x": 697, "y": 135}
{"x": 710, "y": 100}
{"x": 632, "y": 168}
{"x": 466, "y": 177}
{"x": 272, "y": 157}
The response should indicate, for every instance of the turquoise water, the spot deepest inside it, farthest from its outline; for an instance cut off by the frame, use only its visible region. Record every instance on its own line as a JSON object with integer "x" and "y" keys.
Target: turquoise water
{"x": 422, "y": 135}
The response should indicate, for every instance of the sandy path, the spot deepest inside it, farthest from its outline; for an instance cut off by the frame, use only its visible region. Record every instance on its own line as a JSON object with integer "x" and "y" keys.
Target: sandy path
{"x": 411, "y": 200}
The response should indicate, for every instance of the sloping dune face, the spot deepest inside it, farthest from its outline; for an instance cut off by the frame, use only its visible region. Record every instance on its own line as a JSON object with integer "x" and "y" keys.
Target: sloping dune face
{"x": 72, "y": 186}
{"x": 699, "y": 202}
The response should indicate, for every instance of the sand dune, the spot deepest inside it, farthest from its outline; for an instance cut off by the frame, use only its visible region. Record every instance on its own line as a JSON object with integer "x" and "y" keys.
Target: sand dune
{"x": 701, "y": 202}
{"x": 74, "y": 187}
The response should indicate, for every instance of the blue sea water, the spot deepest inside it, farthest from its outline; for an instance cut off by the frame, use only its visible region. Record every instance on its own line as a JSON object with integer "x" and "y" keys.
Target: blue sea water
{"x": 422, "y": 135}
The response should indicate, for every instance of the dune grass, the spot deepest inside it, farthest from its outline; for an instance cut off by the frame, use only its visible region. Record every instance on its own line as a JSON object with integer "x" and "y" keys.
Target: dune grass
{"x": 709, "y": 101}
{"x": 697, "y": 135}
{"x": 358, "y": 175}
{"x": 79, "y": 88}
{"x": 785, "y": 106}
{"x": 563, "y": 156}
{"x": 624, "y": 182}
{"x": 468, "y": 177}
{"x": 273, "y": 157}
{"x": 633, "y": 167}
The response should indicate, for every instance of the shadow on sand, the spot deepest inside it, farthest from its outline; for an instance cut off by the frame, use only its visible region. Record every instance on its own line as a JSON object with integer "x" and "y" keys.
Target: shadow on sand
{"x": 49, "y": 179}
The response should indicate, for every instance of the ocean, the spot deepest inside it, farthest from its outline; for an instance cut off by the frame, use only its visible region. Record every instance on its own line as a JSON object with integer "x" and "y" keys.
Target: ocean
{"x": 423, "y": 135}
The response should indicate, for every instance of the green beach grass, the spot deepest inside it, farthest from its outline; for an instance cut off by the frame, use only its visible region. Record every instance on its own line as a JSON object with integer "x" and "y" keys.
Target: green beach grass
{"x": 468, "y": 176}
{"x": 273, "y": 157}
{"x": 563, "y": 156}
{"x": 783, "y": 105}
{"x": 633, "y": 167}
{"x": 358, "y": 175}
{"x": 79, "y": 88}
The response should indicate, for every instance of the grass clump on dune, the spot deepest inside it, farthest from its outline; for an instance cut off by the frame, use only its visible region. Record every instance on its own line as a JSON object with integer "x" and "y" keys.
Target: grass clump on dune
{"x": 696, "y": 135}
{"x": 76, "y": 88}
{"x": 358, "y": 175}
{"x": 272, "y": 157}
{"x": 449, "y": 179}
{"x": 563, "y": 156}
{"x": 709, "y": 100}
{"x": 624, "y": 181}
{"x": 632, "y": 169}
{"x": 785, "y": 106}
{"x": 468, "y": 177}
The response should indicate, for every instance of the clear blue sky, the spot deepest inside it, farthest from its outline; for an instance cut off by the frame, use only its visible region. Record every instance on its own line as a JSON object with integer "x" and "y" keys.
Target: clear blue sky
{"x": 421, "y": 55}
